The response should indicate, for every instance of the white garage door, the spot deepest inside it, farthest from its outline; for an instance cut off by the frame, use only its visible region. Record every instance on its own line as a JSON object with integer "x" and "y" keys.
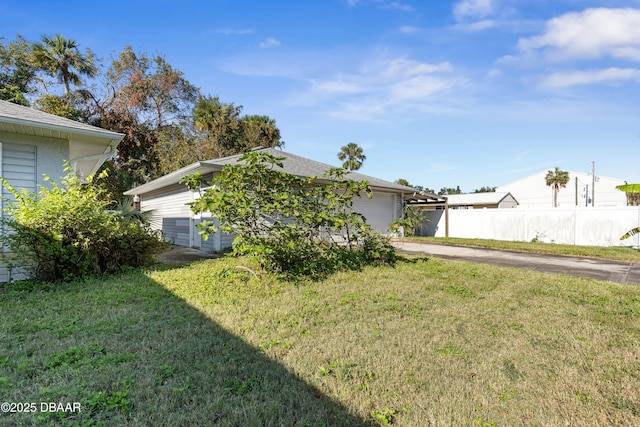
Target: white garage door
{"x": 379, "y": 210}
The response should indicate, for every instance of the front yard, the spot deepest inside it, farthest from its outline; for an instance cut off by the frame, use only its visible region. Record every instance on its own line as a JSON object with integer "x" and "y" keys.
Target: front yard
{"x": 427, "y": 342}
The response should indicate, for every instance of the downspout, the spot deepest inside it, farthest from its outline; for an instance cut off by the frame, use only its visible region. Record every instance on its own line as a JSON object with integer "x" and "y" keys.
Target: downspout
{"x": 105, "y": 156}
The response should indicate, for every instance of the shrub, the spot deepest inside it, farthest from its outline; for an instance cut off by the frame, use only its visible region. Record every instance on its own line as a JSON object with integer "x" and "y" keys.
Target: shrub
{"x": 412, "y": 219}
{"x": 66, "y": 231}
{"x": 292, "y": 224}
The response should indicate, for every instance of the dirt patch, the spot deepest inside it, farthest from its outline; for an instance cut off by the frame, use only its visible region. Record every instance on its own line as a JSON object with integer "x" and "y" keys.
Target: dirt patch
{"x": 178, "y": 254}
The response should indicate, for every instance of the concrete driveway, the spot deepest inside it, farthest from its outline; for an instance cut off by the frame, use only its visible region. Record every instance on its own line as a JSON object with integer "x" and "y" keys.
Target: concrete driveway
{"x": 613, "y": 271}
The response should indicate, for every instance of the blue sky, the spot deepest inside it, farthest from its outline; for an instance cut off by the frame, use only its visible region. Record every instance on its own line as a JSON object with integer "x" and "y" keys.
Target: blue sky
{"x": 469, "y": 92}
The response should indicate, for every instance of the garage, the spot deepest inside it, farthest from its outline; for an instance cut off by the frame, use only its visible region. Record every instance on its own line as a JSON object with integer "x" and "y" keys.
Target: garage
{"x": 380, "y": 210}
{"x": 168, "y": 198}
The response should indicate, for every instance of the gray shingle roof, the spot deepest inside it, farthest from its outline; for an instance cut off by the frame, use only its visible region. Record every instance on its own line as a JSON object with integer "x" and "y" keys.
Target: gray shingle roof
{"x": 18, "y": 119}
{"x": 293, "y": 164}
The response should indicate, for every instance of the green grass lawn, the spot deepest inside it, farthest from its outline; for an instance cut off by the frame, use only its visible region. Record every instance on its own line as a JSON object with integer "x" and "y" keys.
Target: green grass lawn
{"x": 429, "y": 342}
{"x": 615, "y": 253}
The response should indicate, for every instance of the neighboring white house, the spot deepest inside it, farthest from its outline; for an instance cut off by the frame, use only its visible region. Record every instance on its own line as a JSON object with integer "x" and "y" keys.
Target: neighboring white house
{"x": 491, "y": 200}
{"x": 168, "y": 199}
{"x": 533, "y": 192}
{"x": 34, "y": 144}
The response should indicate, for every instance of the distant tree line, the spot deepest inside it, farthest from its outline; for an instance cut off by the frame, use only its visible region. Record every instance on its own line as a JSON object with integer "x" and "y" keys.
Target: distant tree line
{"x": 168, "y": 123}
{"x": 444, "y": 191}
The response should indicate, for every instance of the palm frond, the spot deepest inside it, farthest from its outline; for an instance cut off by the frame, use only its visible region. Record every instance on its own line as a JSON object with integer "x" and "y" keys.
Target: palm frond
{"x": 629, "y": 188}
{"x": 630, "y": 233}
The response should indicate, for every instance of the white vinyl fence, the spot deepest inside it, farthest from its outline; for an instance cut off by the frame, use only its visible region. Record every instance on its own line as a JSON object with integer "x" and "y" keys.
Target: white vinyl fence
{"x": 576, "y": 225}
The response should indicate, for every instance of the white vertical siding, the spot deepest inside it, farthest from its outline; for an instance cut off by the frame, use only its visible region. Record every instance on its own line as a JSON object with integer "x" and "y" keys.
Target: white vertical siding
{"x": 171, "y": 214}
{"x": 18, "y": 167}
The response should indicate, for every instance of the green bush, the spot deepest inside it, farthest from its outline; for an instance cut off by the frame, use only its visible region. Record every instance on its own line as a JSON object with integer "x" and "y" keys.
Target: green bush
{"x": 298, "y": 226}
{"x": 66, "y": 231}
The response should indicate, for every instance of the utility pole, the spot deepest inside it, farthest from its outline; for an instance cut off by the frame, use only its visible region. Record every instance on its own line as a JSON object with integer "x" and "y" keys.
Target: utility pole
{"x": 586, "y": 196}
{"x": 576, "y": 191}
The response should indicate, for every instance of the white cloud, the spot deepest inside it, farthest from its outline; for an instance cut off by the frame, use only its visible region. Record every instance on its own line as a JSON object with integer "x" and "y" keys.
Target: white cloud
{"x": 382, "y": 87}
{"x": 396, "y": 5}
{"x": 473, "y": 9}
{"x": 269, "y": 43}
{"x": 407, "y": 29}
{"x": 494, "y": 72}
{"x": 384, "y": 4}
{"x": 482, "y": 25}
{"x": 401, "y": 78}
{"x": 590, "y": 34}
{"x": 572, "y": 78}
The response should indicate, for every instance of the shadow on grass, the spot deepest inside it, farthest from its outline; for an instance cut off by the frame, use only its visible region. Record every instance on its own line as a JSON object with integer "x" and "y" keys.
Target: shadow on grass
{"x": 133, "y": 353}
{"x": 402, "y": 257}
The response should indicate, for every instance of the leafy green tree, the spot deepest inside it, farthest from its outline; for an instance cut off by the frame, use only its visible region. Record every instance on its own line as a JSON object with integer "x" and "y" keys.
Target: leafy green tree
{"x": 633, "y": 193}
{"x": 150, "y": 89}
{"x": 57, "y": 105}
{"x": 402, "y": 181}
{"x": 556, "y": 179}
{"x": 447, "y": 190}
{"x": 150, "y": 103}
{"x": 61, "y": 58}
{"x": 17, "y": 73}
{"x": 226, "y": 132}
{"x": 424, "y": 189}
{"x": 352, "y": 155}
{"x": 177, "y": 146}
{"x": 260, "y": 131}
{"x": 289, "y": 222}
{"x": 136, "y": 161}
{"x": 221, "y": 124}
{"x": 485, "y": 190}
{"x": 631, "y": 190}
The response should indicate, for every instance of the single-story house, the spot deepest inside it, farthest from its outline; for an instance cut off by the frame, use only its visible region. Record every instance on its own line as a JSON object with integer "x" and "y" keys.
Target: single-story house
{"x": 491, "y": 200}
{"x": 168, "y": 199}
{"x": 34, "y": 144}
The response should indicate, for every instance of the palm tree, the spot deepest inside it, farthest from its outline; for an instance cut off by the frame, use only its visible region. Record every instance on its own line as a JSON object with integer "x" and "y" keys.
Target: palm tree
{"x": 220, "y": 121}
{"x": 60, "y": 56}
{"x": 352, "y": 156}
{"x": 556, "y": 179}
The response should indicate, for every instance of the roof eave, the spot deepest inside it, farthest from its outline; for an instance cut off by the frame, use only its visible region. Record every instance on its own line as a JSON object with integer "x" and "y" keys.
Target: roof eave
{"x": 172, "y": 178}
{"x": 100, "y": 133}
